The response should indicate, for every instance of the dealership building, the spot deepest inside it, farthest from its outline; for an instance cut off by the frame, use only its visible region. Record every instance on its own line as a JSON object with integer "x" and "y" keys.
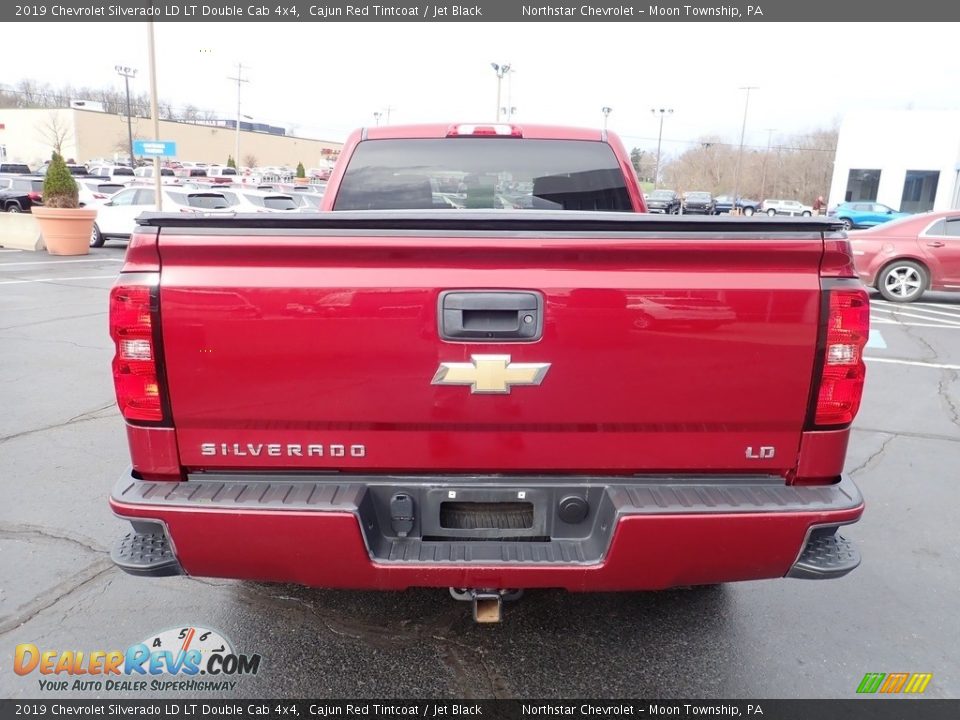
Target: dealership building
{"x": 906, "y": 159}
{"x": 28, "y": 136}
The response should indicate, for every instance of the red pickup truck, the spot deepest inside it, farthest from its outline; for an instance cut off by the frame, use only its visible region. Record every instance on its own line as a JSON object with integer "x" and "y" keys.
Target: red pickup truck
{"x": 486, "y": 368}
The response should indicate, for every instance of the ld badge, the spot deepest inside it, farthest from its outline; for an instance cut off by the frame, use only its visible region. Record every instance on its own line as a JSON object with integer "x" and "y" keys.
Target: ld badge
{"x": 490, "y": 374}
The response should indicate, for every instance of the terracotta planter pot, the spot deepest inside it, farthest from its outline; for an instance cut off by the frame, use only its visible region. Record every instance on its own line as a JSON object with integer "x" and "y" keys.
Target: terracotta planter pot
{"x": 66, "y": 231}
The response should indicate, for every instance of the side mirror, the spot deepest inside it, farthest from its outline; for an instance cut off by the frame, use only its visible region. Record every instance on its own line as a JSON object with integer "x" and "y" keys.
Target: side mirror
{"x": 109, "y": 203}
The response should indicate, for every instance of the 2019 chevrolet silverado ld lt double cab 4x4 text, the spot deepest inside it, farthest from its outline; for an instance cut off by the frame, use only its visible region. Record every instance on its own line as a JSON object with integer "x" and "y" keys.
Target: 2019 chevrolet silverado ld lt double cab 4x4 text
{"x": 419, "y": 387}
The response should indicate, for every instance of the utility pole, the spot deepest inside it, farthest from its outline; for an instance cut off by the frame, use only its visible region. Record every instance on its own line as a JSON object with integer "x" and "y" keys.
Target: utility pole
{"x": 126, "y": 73}
{"x": 388, "y": 109}
{"x": 155, "y": 113}
{"x": 240, "y": 79}
{"x": 663, "y": 113}
{"x": 743, "y": 130}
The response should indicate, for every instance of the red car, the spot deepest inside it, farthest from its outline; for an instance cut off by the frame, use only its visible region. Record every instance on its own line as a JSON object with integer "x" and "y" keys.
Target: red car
{"x": 905, "y": 258}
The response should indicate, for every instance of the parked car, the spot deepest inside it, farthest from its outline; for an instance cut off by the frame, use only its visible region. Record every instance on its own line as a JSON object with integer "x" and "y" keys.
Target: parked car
{"x": 96, "y": 191}
{"x": 246, "y": 200}
{"x": 73, "y": 168}
{"x": 307, "y": 201}
{"x": 698, "y": 203}
{"x": 864, "y": 214}
{"x": 30, "y": 185}
{"x": 786, "y": 207}
{"x": 15, "y": 201}
{"x": 113, "y": 172}
{"x": 904, "y": 258}
{"x": 167, "y": 175}
{"x": 222, "y": 173}
{"x": 15, "y": 168}
{"x": 116, "y": 218}
{"x": 724, "y": 204}
{"x": 664, "y": 201}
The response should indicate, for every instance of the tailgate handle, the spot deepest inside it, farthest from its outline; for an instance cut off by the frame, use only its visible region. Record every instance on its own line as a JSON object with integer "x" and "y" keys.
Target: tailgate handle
{"x": 490, "y": 316}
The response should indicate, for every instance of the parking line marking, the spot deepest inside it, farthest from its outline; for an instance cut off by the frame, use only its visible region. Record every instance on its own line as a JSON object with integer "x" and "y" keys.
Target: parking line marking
{"x": 56, "y": 262}
{"x": 886, "y": 321}
{"x": 921, "y": 310}
{"x": 949, "y": 323}
{"x": 58, "y": 279}
{"x": 939, "y": 366}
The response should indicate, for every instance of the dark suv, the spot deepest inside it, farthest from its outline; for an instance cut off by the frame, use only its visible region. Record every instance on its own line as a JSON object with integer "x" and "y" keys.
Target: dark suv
{"x": 700, "y": 203}
{"x": 664, "y": 201}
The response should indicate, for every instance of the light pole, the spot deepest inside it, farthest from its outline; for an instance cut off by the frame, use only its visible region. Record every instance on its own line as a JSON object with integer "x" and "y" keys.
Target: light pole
{"x": 127, "y": 73}
{"x": 606, "y": 114}
{"x": 663, "y": 112}
{"x": 509, "y": 111}
{"x": 501, "y": 71}
{"x": 734, "y": 210}
{"x": 376, "y": 117}
{"x": 155, "y": 112}
{"x": 240, "y": 79}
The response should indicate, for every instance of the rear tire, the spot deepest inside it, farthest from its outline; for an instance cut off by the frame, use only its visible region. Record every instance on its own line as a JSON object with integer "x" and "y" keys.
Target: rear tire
{"x": 13, "y": 208}
{"x": 771, "y": 212}
{"x": 96, "y": 237}
{"x": 903, "y": 281}
{"x": 748, "y": 211}
{"x": 806, "y": 213}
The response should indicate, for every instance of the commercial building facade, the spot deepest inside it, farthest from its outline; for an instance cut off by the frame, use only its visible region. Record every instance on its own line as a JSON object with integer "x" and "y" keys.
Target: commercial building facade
{"x": 906, "y": 159}
{"x": 29, "y": 136}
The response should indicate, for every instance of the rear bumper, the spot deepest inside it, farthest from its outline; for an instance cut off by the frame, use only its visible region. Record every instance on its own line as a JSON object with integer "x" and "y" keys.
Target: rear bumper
{"x": 639, "y": 534}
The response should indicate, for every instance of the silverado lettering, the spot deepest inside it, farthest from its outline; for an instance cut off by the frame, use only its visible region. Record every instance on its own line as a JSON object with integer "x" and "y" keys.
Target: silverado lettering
{"x": 562, "y": 390}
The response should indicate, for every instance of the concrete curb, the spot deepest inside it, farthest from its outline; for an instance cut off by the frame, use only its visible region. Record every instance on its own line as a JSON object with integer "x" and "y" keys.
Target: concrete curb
{"x": 20, "y": 231}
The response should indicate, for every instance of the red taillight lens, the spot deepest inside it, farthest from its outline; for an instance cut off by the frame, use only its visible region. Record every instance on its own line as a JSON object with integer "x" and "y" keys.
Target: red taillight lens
{"x": 35, "y": 196}
{"x": 134, "y": 364}
{"x": 841, "y": 380}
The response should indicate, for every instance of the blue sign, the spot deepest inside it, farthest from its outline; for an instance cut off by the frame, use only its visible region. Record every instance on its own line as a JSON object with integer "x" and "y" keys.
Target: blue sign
{"x": 155, "y": 148}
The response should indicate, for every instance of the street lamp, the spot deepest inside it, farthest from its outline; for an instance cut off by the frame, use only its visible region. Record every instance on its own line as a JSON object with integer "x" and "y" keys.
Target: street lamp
{"x": 127, "y": 73}
{"x": 376, "y": 117}
{"x": 501, "y": 71}
{"x": 734, "y": 210}
{"x": 509, "y": 111}
{"x": 606, "y": 113}
{"x": 663, "y": 112}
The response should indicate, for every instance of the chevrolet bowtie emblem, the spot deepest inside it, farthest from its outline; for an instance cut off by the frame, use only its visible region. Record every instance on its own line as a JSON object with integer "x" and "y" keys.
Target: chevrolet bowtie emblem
{"x": 490, "y": 373}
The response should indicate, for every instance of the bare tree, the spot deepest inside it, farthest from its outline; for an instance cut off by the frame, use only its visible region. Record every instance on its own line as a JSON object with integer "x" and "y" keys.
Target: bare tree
{"x": 55, "y": 131}
{"x": 249, "y": 161}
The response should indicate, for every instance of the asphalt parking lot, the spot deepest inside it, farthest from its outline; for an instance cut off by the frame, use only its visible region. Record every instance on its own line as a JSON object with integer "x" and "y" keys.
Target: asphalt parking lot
{"x": 62, "y": 445}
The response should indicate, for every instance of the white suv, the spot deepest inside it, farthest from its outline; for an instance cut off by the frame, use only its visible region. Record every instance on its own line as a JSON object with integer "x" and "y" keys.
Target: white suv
{"x": 120, "y": 173}
{"x": 786, "y": 207}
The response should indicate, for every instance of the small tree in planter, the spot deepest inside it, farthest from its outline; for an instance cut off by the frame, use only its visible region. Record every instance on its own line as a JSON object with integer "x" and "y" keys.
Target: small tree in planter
{"x": 301, "y": 174}
{"x": 67, "y": 228}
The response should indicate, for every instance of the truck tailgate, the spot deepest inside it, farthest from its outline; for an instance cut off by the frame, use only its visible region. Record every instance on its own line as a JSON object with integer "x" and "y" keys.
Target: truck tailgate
{"x": 672, "y": 346}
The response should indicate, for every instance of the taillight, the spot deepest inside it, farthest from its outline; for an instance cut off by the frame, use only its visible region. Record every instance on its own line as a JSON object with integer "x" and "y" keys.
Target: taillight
{"x": 35, "y": 196}
{"x": 842, "y": 370}
{"x": 493, "y": 130}
{"x": 135, "y": 375}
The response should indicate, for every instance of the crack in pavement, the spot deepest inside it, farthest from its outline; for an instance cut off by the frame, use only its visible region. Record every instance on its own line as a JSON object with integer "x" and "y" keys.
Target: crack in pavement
{"x": 943, "y": 389}
{"x": 876, "y": 454}
{"x": 85, "y": 416}
{"x": 15, "y": 532}
{"x": 59, "y": 341}
{"x": 26, "y": 613}
{"x": 52, "y": 320}
{"x": 907, "y": 433}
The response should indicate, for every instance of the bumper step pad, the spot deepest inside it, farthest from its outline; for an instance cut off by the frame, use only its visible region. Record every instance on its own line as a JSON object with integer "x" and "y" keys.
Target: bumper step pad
{"x": 146, "y": 554}
{"x": 826, "y": 555}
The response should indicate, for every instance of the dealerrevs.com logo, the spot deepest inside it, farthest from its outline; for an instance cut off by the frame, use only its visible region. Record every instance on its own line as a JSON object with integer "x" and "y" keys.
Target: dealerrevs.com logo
{"x": 185, "y": 659}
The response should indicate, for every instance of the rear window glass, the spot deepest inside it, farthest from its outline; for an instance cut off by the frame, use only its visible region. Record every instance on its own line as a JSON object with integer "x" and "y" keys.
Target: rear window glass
{"x": 279, "y": 203}
{"x": 228, "y": 171}
{"x": 123, "y": 171}
{"x": 207, "y": 201}
{"x": 109, "y": 188}
{"x": 470, "y": 173}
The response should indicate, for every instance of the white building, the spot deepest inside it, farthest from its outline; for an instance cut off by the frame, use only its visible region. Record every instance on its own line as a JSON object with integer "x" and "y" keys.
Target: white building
{"x": 907, "y": 159}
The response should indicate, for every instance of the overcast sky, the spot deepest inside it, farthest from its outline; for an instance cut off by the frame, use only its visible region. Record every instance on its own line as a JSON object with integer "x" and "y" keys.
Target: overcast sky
{"x": 327, "y": 78}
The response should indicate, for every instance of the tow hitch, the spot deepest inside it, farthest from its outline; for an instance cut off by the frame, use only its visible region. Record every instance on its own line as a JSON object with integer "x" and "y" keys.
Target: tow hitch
{"x": 487, "y": 602}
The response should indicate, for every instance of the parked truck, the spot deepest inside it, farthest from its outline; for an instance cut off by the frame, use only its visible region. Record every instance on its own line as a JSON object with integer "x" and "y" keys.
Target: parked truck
{"x": 421, "y": 388}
